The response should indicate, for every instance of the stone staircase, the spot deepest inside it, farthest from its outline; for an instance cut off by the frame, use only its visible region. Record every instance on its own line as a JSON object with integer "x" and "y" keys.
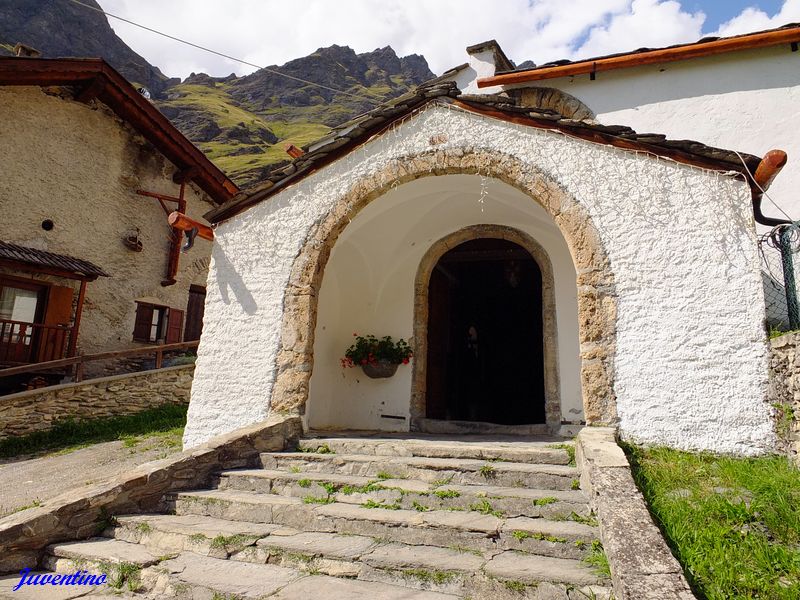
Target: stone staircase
{"x": 414, "y": 517}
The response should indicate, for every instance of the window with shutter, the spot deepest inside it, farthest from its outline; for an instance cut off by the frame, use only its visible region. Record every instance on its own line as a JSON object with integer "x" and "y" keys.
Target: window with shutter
{"x": 144, "y": 320}
{"x": 174, "y": 326}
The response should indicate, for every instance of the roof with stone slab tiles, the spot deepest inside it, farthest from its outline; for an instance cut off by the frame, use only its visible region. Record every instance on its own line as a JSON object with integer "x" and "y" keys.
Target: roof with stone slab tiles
{"x": 348, "y": 136}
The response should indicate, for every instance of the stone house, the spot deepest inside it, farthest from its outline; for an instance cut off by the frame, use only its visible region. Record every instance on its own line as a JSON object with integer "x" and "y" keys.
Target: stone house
{"x": 88, "y": 262}
{"x": 596, "y": 275}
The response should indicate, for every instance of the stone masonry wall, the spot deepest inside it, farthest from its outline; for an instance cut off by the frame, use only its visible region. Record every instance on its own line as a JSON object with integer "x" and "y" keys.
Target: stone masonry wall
{"x": 784, "y": 392}
{"x": 38, "y": 410}
{"x": 84, "y": 511}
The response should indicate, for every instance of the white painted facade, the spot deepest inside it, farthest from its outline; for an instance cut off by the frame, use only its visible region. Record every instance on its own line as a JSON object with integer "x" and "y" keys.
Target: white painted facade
{"x": 691, "y": 355}
{"x": 747, "y": 100}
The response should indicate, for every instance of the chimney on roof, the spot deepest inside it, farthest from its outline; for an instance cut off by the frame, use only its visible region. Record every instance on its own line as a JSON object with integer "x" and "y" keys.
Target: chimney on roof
{"x": 27, "y": 51}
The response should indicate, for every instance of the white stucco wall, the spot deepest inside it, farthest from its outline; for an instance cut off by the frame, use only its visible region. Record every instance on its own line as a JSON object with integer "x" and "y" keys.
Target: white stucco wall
{"x": 690, "y": 350}
{"x": 368, "y": 287}
{"x": 748, "y": 101}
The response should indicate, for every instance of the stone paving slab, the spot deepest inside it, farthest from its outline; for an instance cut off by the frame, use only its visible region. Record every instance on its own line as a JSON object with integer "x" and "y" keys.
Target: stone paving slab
{"x": 349, "y": 547}
{"x": 227, "y": 577}
{"x": 38, "y": 592}
{"x": 104, "y": 550}
{"x": 565, "y": 529}
{"x": 402, "y": 556}
{"x": 320, "y": 586}
{"x": 197, "y": 524}
{"x": 528, "y": 568}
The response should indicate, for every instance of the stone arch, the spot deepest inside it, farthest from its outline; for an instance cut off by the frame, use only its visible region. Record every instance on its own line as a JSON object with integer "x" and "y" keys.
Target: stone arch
{"x": 597, "y": 302}
{"x": 560, "y": 101}
{"x": 552, "y": 401}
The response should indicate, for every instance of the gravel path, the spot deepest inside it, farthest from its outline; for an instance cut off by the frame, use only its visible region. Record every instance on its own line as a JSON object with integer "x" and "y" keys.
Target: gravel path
{"x": 25, "y": 481}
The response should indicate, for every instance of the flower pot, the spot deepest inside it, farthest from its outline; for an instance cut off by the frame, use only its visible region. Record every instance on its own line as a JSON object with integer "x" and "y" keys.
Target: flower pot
{"x": 379, "y": 370}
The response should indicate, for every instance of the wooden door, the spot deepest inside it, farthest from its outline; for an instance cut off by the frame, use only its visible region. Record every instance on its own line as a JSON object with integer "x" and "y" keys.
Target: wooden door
{"x": 194, "y": 313}
{"x": 58, "y": 314}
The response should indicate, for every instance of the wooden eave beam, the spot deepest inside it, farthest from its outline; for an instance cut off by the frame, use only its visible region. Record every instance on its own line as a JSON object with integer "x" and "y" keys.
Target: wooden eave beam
{"x": 638, "y": 59}
{"x": 32, "y": 268}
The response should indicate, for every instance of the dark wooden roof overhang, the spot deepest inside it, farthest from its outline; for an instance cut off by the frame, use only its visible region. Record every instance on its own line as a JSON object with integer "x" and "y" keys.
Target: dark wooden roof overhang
{"x": 788, "y": 34}
{"x": 40, "y": 261}
{"x": 93, "y": 78}
{"x": 351, "y": 135}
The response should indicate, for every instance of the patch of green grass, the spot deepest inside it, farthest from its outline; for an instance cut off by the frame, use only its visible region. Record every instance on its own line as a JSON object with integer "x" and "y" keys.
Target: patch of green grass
{"x": 198, "y": 537}
{"x": 69, "y": 435}
{"x": 545, "y": 501}
{"x": 590, "y": 520}
{"x": 384, "y": 475}
{"x": 34, "y": 504}
{"x": 733, "y": 523}
{"x": 521, "y": 536}
{"x": 783, "y": 419}
{"x": 322, "y": 449}
{"x": 515, "y": 586}
{"x": 576, "y": 484}
{"x": 426, "y": 576}
{"x": 294, "y": 469}
{"x": 122, "y": 574}
{"x": 381, "y": 504}
{"x": 144, "y": 527}
{"x": 442, "y": 494}
{"x": 569, "y": 449}
{"x": 318, "y": 500}
{"x": 304, "y": 483}
{"x": 487, "y": 471}
{"x": 232, "y": 541}
{"x": 349, "y": 490}
{"x": 436, "y": 483}
{"x": 597, "y": 558}
{"x": 484, "y": 507}
{"x": 419, "y": 507}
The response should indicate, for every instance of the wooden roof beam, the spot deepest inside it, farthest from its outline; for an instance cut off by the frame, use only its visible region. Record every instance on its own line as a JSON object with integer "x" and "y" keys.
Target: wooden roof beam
{"x": 638, "y": 59}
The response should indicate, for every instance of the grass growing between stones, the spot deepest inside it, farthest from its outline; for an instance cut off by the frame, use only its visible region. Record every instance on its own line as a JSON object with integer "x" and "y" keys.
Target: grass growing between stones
{"x": 68, "y": 435}
{"x": 733, "y": 523}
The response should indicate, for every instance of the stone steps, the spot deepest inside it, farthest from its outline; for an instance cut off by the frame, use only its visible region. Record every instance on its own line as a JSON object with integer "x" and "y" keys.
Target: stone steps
{"x": 409, "y": 494}
{"x": 561, "y": 539}
{"x": 456, "y": 570}
{"x": 478, "y": 448}
{"x": 422, "y": 517}
{"x": 431, "y": 470}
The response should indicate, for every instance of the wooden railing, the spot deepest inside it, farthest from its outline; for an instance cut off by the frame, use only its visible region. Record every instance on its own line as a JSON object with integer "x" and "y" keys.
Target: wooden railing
{"x": 22, "y": 342}
{"x": 79, "y": 361}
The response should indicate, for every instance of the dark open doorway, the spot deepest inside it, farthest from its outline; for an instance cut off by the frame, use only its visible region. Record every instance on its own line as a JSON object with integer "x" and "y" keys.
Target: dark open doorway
{"x": 485, "y": 338}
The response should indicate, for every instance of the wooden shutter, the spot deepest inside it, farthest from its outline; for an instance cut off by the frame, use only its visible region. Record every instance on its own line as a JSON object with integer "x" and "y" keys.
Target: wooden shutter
{"x": 174, "y": 326}
{"x": 194, "y": 313}
{"x": 59, "y": 306}
{"x": 144, "y": 320}
{"x": 53, "y": 342}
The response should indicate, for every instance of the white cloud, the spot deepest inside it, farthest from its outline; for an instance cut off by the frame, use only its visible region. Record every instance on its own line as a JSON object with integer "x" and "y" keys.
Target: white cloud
{"x": 754, "y": 19}
{"x": 269, "y": 33}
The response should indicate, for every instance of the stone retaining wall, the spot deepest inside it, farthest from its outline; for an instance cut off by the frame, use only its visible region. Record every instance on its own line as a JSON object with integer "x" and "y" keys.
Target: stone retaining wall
{"x": 642, "y": 566}
{"x": 38, "y": 410}
{"x": 84, "y": 512}
{"x": 784, "y": 391}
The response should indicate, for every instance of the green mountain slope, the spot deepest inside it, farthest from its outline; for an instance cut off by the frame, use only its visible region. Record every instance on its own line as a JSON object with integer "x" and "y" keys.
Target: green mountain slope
{"x": 242, "y": 123}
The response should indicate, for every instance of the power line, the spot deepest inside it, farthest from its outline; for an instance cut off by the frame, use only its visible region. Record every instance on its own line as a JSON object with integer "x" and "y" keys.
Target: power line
{"x": 239, "y": 60}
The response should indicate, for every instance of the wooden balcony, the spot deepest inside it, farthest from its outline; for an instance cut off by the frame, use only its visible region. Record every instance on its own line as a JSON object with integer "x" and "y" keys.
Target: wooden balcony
{"x": 25, "y": 343}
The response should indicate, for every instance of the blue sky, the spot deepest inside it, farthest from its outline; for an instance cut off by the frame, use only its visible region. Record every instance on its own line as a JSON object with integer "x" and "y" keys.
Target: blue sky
{"x": 719, "y": 11}
{"x": 275, "y": 31}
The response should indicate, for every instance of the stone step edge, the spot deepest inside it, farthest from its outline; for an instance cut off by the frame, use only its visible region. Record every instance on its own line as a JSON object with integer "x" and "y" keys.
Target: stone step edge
{"x": 213, "y": 496}
{"x": 259, "y": 550}
{"x": 479, "y": 450}
{"x": 408, "y": 485}
{"x": 426, "y": 581}
{"x": 430, "y": 463}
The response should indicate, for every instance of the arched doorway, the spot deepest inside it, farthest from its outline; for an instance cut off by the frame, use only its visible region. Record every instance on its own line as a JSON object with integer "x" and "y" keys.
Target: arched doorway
{"x": 485, "y": 346}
